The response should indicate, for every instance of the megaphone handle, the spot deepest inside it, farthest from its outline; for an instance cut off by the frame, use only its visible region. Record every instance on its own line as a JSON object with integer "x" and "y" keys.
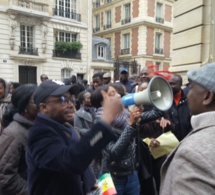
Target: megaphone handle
{"x": 131, "y": 107}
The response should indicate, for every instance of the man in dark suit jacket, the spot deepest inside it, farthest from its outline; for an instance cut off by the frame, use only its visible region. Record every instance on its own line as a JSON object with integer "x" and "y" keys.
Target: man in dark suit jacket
{"x": 57, "y": 157}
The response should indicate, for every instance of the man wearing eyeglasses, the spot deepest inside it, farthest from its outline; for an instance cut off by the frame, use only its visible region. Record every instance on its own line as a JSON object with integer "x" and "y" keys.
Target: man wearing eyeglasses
{"x": 57, "y": 157}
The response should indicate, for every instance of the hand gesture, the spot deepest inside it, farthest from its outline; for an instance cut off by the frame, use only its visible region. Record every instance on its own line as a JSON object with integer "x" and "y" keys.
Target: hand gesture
{"x": 112, "y": 107}
{"x": 163, "y": 122}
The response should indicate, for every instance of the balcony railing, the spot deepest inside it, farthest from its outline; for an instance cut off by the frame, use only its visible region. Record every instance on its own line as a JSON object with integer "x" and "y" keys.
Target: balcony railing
{"x": 97, "y": 29}
{"x": 159, "y": 19}
{"x": 96, "y": 4}
{"x": 107, "y": 26}
{"x": 67, "y": 14}
{"x": 67, "y": 54}
{"x": 32, "y": 5}
{"x": 125, "y": 51}
{"x": 28, "y": 50}
{"x": 126, "y": 20}
{"x": 107, "y": 1}
{"x": 158, "y": 51}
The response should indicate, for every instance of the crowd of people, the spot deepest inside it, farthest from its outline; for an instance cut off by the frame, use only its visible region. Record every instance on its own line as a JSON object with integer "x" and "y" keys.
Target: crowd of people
{"x": 60, "y": 137}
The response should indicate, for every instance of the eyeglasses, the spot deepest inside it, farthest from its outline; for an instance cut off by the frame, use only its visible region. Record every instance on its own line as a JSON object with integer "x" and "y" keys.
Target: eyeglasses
{"x": 64, "y": 100}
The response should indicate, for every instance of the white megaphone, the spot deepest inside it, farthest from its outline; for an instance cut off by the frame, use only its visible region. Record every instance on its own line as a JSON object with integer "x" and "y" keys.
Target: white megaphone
{"x": 158, "y": 93}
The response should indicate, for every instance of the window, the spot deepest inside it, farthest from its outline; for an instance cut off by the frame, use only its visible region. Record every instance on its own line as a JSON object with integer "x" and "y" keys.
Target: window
{"x": 126, "y": 44}
{"x": 127, "y": 10}
{"x": 66, "y": 36}
{"x": 108, "y": 17}
{"x": 96, "y": 3}
{"x": 127, "y": 14}
{"x": 159, "y": 13}
{"x": 108, "y": 20}
{"x": 65, "y": 73}
{"x": 97, "y": 23}
{"x": 27, "y": 40}
{"x": 67, "y": 9}
{"x": 109, "y": 39}
{"x": 157, "y": 65}
{"x": 126, "y": 41}
{"x": 101, "y": 52}
{"x": 158, "y": 49}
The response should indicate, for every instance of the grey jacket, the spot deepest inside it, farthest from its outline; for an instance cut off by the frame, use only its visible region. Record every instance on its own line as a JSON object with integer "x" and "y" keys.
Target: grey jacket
{"x": 83, "y": 121}
{"x": 13, "y": 168}
{"x": 189, "y": 169}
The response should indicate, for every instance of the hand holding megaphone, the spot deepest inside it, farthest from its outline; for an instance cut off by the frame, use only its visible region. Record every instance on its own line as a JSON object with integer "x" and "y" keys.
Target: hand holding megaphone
{"x": 158, "y": 93}
{"x": 135, "y": 114}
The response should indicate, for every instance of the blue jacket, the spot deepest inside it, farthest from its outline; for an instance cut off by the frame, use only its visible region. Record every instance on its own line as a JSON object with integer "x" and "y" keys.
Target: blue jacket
{"x": 56, "y": 160}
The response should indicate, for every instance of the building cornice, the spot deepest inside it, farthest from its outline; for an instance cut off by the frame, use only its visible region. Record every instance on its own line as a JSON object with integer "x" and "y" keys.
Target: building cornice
{"x": 65, "y": 21}
{"x": 28, "y": 58}
{"x": 133, "y": 25}
{"x": 101, "y": 7}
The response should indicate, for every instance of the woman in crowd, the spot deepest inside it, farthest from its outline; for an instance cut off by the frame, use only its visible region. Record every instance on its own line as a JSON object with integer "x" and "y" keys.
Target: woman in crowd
{"x": 119, "y": 157}
{"x": 13, "y": 86}
{"x": 13, "y": 140}
{"x": 84, "y": 117}
{"x": 124, "y": 157}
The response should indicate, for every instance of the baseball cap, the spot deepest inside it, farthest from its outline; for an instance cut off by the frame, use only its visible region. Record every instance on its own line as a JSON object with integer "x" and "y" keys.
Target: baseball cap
{"x": 123, "y": 70}
{"x": 50, "y": 88}
{"x": 204, "y": 76}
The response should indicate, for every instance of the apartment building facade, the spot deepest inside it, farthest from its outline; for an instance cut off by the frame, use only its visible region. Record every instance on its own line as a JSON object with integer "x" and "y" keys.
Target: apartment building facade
{"x": 193, "y": 35}
{"x": 29, "y": 33}
{"x": 139, "y": 32}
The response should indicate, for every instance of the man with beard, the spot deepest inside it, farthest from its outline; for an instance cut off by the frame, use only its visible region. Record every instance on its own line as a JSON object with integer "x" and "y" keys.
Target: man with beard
{"x": 125, "y": 81}
{"x": 57, "y": 157}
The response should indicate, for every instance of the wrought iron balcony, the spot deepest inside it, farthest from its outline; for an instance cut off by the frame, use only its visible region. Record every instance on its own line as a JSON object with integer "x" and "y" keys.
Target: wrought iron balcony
{"x": 159, "y": 19}
{"x": 158, "y": 51}
{"x": 96, "y": 4}
{"x": 107, "y": 1}
{"x": 28, "y": 50}
{"x": 67, "y": 54}
{"x": 67, "y": 14}
{"x": 107, "y": 26}
{"x": 125, "y": 51}
{"x": 126, "y": 20}
{"x": 97, "y": 29}
{"x": 29, "y": 4}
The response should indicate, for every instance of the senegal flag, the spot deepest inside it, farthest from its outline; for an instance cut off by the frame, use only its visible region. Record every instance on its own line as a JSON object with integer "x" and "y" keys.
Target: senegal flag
{"x": 106, "y": 185}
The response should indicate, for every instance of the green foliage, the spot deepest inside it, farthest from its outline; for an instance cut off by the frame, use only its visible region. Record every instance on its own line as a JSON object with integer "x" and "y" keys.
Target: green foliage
{"x": 67, "y": 46}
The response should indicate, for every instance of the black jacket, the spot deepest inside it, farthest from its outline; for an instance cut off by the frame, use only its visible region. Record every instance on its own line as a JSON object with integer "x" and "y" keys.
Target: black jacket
{"x": 56, "y": 160}
{"x": 120, "y": 156}
{"x": 180, "y": 118}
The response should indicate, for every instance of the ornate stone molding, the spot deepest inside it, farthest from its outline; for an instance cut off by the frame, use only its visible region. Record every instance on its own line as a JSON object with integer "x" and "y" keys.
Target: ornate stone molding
{"x": 29, "y": 20}
{"x": 44, "y": 32}
{"x": 13, "y": 25}
{"x": 66, "y": 28}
